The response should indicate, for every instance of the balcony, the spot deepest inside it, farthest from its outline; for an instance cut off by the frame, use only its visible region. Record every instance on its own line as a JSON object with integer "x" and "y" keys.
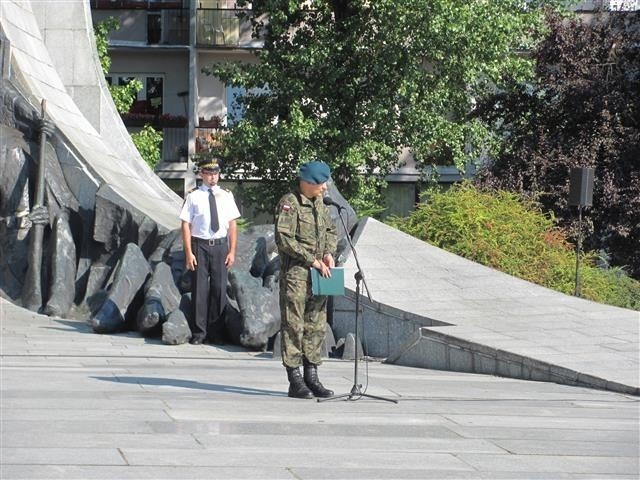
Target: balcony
{"x": 135, "y": 4}
{"x": 148, "y": 26}
{"x": 223, "y": 27}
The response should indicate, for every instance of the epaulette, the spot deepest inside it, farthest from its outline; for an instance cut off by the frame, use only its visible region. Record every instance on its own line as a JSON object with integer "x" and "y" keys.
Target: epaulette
{"x": 184, "y": 200}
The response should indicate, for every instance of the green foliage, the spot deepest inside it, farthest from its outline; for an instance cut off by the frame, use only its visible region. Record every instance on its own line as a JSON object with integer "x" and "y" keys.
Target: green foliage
{"x": 101, "y": 31}
{"x": 147, "y": 141}
{"x": 506, "y": 232}
{"x": 123, "y": 95}
{"x": 582, "y": 109}
{"x": 243, "y": 224}
{"x": 354, "y": 82}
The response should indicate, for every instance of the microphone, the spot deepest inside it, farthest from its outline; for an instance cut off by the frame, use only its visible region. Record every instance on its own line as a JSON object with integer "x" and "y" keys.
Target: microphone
{"x": 328, "y": 201}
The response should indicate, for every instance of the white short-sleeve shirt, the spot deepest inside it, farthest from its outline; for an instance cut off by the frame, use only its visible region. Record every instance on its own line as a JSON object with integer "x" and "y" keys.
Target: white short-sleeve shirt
{"x": 196, "y": 212}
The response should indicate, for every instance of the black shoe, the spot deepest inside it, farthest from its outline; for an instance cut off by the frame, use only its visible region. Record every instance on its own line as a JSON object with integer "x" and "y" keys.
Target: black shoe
{"x": 196, "y": 340}
{"x": 312, "y": 381}
{"x": 297, "y": 388}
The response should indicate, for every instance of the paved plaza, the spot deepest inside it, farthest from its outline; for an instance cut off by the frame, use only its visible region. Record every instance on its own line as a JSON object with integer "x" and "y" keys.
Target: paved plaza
{"x": 78, "y": 405}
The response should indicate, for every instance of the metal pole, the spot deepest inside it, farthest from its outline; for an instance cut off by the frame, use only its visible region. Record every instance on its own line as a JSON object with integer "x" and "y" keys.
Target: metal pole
{"x": 356, "y": 390}
{"x": 578, "y": 250}
{"x": 356, "y": 386}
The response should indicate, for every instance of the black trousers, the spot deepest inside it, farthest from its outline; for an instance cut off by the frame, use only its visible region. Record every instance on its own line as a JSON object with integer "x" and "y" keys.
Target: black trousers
{"x": 209, "y": 288}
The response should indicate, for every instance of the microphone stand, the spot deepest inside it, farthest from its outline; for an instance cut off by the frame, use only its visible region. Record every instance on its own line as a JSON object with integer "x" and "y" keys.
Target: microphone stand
{"x": 356, "y": 390}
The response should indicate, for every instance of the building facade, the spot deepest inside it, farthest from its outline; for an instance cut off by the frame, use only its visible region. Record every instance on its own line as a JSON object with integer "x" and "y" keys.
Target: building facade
{"x": 165, "y": 44}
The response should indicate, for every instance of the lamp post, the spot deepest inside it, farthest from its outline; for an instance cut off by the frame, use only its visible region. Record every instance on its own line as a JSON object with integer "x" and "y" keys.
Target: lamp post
{"x": 580, "y": 195}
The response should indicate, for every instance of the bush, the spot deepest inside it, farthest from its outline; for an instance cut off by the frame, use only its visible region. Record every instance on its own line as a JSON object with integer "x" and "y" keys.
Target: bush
{"x": 501, "y": 230}
{"x": 147, "y": 141}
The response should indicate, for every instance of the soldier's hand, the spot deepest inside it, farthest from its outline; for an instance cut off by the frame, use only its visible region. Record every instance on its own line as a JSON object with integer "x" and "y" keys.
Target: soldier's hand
{"x": 190, "y": 261}
{"x": 325, "y": 271}
{"x": 39, "y": 215}
{"x": 329, "y": 261}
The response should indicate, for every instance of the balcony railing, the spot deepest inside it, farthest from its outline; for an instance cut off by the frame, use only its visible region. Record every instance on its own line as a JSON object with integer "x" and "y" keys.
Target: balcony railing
{"x": 163, "y": 121}
{"x": 222, "y": 27}
{"x": 169, "y": 27}
{"x": 174, "y": 144}
{"x": 135, "y": 4}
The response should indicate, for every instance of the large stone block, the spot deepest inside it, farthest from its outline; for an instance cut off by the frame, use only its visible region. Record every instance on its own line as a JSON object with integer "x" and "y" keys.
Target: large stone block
{"x": 130, "y": 274}
{"x": 258, "y": 305}
{"x": 175, "y": 330}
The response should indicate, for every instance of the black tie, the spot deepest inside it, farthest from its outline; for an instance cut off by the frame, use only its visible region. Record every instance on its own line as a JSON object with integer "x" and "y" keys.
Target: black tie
{"x": 215, "y": 225}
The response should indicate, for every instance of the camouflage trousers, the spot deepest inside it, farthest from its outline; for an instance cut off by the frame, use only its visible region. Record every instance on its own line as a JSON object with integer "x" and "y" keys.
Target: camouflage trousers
{"x": 303, "y": 318}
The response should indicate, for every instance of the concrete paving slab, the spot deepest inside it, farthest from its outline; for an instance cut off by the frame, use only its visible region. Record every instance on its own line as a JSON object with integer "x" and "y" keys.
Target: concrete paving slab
{"x": 544, "y": 433}
{"x": 333, "y": 440}
{"x": 522, "y": 421}
{"x": 61, "y": 456}
{"x": 37, "y": 427}
{"x": 132, "y": 472}
{"x": 100, "y": 440}
{"x": 520, "y": 467}
{"x": 382, "y": 457}
{"x": 582, "y": 448}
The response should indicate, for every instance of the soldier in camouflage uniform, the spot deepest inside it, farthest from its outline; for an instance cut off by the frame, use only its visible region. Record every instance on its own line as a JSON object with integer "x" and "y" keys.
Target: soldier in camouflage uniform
{"x": 306, "y": 238}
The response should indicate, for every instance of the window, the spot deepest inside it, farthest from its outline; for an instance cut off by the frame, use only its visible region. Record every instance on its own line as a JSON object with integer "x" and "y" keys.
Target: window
{"x": 154, "y": 27}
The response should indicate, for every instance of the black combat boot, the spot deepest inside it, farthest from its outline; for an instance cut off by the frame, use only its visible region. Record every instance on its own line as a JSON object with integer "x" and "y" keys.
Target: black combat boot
{"x": 312, "y": 381}
{"x": 297, "y": 387}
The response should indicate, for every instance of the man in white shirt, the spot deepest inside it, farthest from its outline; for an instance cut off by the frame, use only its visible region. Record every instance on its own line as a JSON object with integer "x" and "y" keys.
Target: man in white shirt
{"x": 209, "y": 234}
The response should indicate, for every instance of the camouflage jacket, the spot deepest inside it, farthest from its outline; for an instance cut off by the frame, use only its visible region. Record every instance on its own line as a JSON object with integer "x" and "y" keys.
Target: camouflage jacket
{"x": 304, "y": 230}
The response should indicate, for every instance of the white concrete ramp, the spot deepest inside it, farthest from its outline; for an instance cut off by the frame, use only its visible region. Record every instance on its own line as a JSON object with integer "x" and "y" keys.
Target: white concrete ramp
{"x": 52, "y": 56}
{"x": 436, "y": 310}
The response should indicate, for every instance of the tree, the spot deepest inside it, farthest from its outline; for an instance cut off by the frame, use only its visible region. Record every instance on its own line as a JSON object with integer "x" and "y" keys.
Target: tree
{"x": 352, "y": 82}
{"x": 582, "y": 110}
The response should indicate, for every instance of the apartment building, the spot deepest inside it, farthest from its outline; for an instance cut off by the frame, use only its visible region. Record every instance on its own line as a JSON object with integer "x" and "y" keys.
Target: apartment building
{"x": 165, "y": 44}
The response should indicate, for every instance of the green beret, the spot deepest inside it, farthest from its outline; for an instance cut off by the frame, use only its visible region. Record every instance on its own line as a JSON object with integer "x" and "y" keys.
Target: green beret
{"x": 315, "y": 172}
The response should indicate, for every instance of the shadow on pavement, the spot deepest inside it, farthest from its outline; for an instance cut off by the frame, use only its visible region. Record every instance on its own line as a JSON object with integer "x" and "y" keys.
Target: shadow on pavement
{"x": 174, "y": 382}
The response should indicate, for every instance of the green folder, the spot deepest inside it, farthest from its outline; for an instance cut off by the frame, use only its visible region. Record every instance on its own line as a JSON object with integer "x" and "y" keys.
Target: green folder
{"x": 333, "y": 285}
